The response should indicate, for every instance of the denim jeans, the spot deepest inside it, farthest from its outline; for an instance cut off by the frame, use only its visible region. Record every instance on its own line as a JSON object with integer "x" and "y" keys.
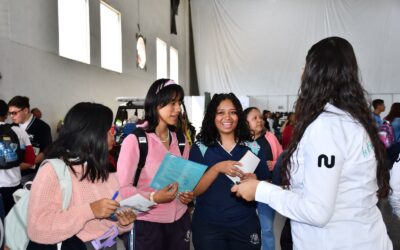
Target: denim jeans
{"x": 266, "y": 215}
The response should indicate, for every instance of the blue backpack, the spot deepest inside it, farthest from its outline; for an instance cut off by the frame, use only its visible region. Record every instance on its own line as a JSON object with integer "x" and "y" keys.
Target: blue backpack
{"x": 11, "y": 153}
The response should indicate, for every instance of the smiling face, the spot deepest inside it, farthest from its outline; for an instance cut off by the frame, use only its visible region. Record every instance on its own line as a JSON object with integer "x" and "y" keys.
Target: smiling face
{"x": 226, "y": 118}
{"x": 256, "y": 123}
{"x": 169, "y": 114}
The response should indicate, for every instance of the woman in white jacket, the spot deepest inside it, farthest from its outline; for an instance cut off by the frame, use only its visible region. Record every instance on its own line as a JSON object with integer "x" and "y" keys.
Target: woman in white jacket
{"x": 335, "y": 169}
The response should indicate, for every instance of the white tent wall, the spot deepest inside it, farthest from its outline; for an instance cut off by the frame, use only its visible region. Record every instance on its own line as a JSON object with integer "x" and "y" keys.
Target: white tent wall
{"x": 258, "y": 47}
{"x": 30, "y": 64}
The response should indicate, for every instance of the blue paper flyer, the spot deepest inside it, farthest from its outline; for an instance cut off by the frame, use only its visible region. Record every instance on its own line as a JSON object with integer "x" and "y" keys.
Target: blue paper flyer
{"x": 176, "y": 169}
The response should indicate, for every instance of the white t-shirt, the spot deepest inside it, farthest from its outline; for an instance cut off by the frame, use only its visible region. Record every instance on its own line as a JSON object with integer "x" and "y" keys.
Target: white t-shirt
{"x": 25, "y": 125}
{"x": 12, "y": 177}
{"x": 332, "y": 201}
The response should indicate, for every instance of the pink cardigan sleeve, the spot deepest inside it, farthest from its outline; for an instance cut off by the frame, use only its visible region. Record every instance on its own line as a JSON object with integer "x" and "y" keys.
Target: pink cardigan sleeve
{"x": 275, "y": 146}
{"x": 127, "y": 164}
{"x": 48, "y": 223}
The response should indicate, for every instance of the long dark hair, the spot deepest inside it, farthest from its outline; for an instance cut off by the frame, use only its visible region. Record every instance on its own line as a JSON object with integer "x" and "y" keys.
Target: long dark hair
{"x": 331, "y": 76}
{"x": 209, "y": 132}
{"x": 394, "y": 112}
{"x": 83, "y": 139}
{"x": 160, "y": 93}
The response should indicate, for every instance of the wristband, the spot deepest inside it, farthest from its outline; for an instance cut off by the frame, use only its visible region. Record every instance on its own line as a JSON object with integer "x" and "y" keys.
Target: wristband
{"x": 152, "y": 197}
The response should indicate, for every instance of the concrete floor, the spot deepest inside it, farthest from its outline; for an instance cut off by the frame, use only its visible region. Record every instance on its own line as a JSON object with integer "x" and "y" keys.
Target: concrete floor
{"x": 392, "y": 224}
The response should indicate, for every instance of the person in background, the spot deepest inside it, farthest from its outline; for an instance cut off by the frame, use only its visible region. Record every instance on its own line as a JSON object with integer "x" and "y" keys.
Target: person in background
{"x": 379, "y": 107}
{"x": 265, "y": 213}
{"x": 36, "y": 113}
{"x": 268, "y": 121}
{"x": 83, "y": 145}
{"x": 167, "y": 225}
{"x": 10, "y": 179}
{"x": 287, "y": 130}
{"x": 220, "y": 220}
{"x": 336, "y": 165}
{"x": 394, "y": 120}
{"x": 39, "y": 132}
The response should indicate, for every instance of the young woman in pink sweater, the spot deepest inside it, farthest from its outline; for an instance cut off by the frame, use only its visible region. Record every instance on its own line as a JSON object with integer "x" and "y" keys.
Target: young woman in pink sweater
{"x": 167, "y": 224}
{"x": 83, "y": 145}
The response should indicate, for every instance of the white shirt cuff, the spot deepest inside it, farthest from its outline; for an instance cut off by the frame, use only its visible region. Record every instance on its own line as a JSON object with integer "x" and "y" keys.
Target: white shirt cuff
{"x": 264, "y": 190}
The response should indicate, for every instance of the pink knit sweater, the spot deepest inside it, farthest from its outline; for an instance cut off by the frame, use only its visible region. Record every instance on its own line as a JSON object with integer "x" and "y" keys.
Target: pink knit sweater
{"x": 276, "y": 147}
{"x": 48, "y": 223}
{"x": 126, "y": 169}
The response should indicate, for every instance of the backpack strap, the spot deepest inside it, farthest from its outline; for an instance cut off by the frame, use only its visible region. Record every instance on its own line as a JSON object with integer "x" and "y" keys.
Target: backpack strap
{"x": 143, "y": 150}
{"x": 181, "y": 141}
{"x": 64, "y": 178}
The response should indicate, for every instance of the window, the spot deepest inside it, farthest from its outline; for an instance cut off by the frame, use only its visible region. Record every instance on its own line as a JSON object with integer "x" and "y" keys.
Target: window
{"x": 74, "y": 30}
{"x": 173, "y": 64}
{"x": 161, "y": 59}
{"x": 111, "y": 45}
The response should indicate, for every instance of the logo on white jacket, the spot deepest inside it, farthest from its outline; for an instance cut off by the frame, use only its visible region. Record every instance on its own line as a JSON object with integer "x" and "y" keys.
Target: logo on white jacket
{"x": 323, "y": 158}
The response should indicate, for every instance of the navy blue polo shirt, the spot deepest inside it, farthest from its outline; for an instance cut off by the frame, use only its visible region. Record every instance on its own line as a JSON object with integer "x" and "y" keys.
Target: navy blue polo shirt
{"x": 218, "y": 205}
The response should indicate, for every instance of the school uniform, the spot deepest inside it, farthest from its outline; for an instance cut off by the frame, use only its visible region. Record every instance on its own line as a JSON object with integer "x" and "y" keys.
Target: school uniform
{"x": 221, "y": 220}
{"x": 40, "y": 136}
{"x": 332, "y": 201}
{"x": 166, "y": 225}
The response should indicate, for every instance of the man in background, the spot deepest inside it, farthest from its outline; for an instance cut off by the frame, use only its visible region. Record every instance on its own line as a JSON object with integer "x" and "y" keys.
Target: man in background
{"x": 39, "y": 132}
{"x": 37, "y": 113}
{"x": 379, "y": 107}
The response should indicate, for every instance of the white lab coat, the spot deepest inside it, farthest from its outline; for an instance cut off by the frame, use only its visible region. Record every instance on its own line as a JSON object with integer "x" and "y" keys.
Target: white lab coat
{"x": 394, "y": 197}
{"x": 332, "y": 206}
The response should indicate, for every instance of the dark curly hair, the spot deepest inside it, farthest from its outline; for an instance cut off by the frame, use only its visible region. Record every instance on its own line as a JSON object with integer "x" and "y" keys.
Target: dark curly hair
{"x": 331, "y": 76}
{"x": 159, "y": 95}
{"x": 209, "y": 132}
{"x": 83, "y": 138}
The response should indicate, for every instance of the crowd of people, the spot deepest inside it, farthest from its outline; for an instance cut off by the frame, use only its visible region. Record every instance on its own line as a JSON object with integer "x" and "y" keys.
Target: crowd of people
{"x": 324, "y": 167}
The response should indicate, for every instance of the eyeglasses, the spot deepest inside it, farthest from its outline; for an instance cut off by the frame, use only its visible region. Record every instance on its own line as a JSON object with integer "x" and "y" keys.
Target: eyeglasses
{"x": 12, "y": 113}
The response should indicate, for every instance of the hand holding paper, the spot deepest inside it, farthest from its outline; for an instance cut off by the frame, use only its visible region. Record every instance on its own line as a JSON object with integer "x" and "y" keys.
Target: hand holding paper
{"x": 249, "y": 163}
{"x": 137, "y": 203}
{"x": 167, "y": 194}
{"x": 176, "y": 169}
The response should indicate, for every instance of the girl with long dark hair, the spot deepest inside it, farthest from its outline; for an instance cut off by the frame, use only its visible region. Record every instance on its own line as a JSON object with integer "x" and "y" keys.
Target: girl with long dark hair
{"x": 335, "y": 167}
{"x": 167, "y": 224}
{"x": 83, "y": 145}
{"x": 221, "y": 221}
